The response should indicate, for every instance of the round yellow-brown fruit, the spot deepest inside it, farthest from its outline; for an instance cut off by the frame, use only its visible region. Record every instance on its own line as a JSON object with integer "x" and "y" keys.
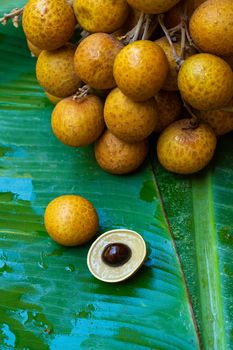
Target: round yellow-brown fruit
{"x": 130, "y": 121}
{"x": 55, "y": 71}
{"x": 53, "y": 99}
{"x": 119, "y": 157}
{"x": 101, "y": 15}
{"x": 169, "y": 108}
{"x": 211, "y": 27}
{"x": 78, "y": 122}
{"x": 206, "y": 81}
{"x": 221, "y": 121}
{"x": 48, "y": 24}
{"x": 71, "y": 220}
{"x": 152, "y": 6}
{"x": 35, "y": 51}
{"x": 183, "y": 149}
{"x": 171, "y": 80}
{"x": 140, "y": 69}
{"x": 94, "y": 58}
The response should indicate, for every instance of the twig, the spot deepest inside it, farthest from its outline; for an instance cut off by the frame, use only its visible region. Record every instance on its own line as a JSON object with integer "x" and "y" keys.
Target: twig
{"x": 177, "y": 58}
{"x": 138, "y": 27}
{"x": 82, "y": 92}
{"x": 194, "y": 121}
{"x": 227, "y": 109}
{"x": 146, "y": 27}
{"x": 15, "y": 15}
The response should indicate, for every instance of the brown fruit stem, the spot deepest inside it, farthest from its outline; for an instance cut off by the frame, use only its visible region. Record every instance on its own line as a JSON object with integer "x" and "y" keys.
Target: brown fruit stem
{"x": 177, "y": 58}
{"x": 194, "y": 120}
{"x": 15, "y": 15}
{"x": 82, "y": 92}
{"x": 143, "y": 30}
{"x": 227, "y": 109}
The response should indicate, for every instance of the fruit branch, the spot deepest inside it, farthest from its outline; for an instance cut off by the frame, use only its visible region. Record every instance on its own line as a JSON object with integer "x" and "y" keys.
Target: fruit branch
{"x": 143, "y": 30}
{"x": 15, "y": 15}
{"x": 82, "y": 92}
{"x": 177, "y": 58}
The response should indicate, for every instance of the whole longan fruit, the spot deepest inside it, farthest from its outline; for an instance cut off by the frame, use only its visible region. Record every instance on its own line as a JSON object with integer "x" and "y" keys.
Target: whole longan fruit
{"x": 170, "y": 83}
{"x": 71, "y": 220}
{"x": 206, "y": 81}
{"x": 53, "y": 99}
{"x": 130, "y": 121}
{"x": 117, "y": 156}
{"x": 211, "y": 27}
{"x": 55, "y": 71}
{"x": 140, "y": 69}
{"x": 101, "y": 15}
{"x": 152, "y": 6}
{"x": 169, "y": 108}
{"x": 35, "y": 51}
{"x": 94, "y": 58}
{"x": 48, "y": 24}
{"x": 78, "y": 122}
{"x": 183, "y": 149}
{"x": 221, "y": 121}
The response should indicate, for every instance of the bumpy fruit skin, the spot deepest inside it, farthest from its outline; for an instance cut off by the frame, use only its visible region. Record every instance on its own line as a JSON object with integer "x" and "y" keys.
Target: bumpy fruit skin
{"x": 220, "y": 121}
{"x": 101, "y": 15}
{"x": 53, "y": 99}
{"x": 169, "y": 108}
{"x": 119, "y": 157}
{"x": 152, "y": 6}
{"x": 184, "y": 150}
{"x": 48, "y": 24}
{"x": 128, "y": 120}
{"x": 211, "y": 27}
{"x": 79, "y": 122}
{"x": 171, "y": 80}
{"x": 206, "y": 81}
{"x": 140, "y": 70}
{"x": 94, "y": 58}
{"x": 35, "y": 51}
{"x": 55, "y": 71}
{"x": 71, "y": 220}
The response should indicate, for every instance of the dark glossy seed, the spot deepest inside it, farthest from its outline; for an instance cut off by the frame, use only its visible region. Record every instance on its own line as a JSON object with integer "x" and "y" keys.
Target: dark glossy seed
{"x": 116, "y": 254}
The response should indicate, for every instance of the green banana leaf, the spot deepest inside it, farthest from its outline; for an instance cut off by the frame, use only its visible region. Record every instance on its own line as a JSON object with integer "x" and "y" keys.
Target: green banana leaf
{"x": 180, "y": 299}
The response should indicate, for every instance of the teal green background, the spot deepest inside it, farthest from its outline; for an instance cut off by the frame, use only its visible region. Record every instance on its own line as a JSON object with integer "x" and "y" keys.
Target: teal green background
{"x": 180, "y": 299}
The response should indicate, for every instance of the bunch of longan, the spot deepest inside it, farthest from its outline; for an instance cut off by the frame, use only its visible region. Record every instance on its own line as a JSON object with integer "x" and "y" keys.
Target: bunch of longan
{"x": 141, "y": 66}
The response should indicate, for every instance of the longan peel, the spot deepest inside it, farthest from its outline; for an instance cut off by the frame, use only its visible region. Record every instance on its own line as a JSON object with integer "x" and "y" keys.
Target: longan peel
{"x": 170, "y": 83}
{"x": 211, "y": 27}
{"x": 119, "y": 157}
{"x": 169, "y": 108}
{"x": 55, "y": 71}
{"x": 35, "y": 51}
{"x": 53, "y": 99}
{"x": 185, "y": 150}
{"x": 206, "y": 81}
{"x": 71, "y": 220}
{"x": 130, "y": 121}
{"x": 80, "y": 122}
{"x": 152, "y": 6}
{"x": 221, "y": 121}
{"x": 48, "y": 24}
{"x": 94, "y": 58}
{"x": 140, "y": 70}
{"x": 101, "y": 15}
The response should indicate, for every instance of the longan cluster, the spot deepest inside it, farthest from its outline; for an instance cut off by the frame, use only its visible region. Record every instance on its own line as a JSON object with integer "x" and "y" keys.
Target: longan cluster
{"x": 140, "y": 67}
